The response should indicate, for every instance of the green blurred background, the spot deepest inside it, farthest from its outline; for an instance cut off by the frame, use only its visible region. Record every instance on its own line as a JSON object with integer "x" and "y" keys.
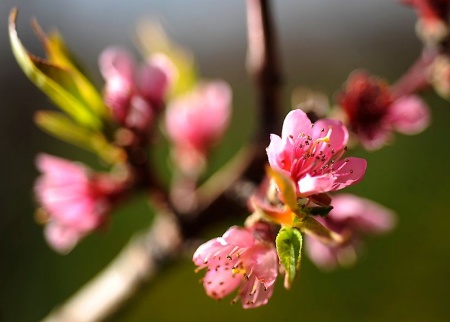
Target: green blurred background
{"x": 404, "y": 276}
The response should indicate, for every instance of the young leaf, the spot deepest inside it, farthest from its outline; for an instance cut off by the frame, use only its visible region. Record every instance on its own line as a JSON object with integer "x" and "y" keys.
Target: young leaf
{"x": 286, "y": 186}
{"x": 59, "y": 55}
{"x": 64, "y": 128}
{"x": 55, "y": 81}
{"x": 289, "y": 246}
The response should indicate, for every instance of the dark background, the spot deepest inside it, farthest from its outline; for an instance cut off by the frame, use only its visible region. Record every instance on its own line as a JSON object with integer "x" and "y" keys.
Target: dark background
{"x": 404, "y": 276}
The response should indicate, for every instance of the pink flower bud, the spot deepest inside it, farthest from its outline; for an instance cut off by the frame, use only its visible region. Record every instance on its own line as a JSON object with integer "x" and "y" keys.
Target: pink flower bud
{"x": 311, "y": 154}
{"x": 239, "y": 259}
{"x": 135, "y": 97}
{"x": 75, "y": 200}
{"x": 197, "y": 120}
{"x": 352, "y": 217}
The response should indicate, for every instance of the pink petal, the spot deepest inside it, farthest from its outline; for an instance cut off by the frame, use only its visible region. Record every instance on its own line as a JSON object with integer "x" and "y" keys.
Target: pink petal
{"x": 323, "y": 256}
{"x": 199, "y": 118}
{"x": 140, "y": 114}
{"x": 379, "y": 137}
{"x": 253, "y": 294}
{"x": 61, "y": 239}
{"x": 155, "y": 77}
{"x": 338, "y": 136}
{"x": 296, "y": 122}
{"x": 219, "y": 281}
{"x": 239, "y": 236}
{"x": 206, "y": 251}
{"x": 348, "y": 172}
{"x": 362, "y": 214}
{"x": 409, "y": 115}
{"x": 117, "y": 63}
{"x": 60, "y": 169}
{"x": 275, "y": 153}
{"x": 309, "y": 185}
{"x": 265, "y": 264}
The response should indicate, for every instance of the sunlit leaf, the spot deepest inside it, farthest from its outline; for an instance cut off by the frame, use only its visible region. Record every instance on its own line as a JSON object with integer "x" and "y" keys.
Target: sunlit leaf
{"x": 64, "y": 128}
{"x": 59, "y": 55}
{"x": 289, "y": 247}
{"x": 55, "y": 81}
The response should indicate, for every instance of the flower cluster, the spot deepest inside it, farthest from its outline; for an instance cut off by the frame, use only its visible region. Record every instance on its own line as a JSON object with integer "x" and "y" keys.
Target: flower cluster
{"x": 307, "y": 161}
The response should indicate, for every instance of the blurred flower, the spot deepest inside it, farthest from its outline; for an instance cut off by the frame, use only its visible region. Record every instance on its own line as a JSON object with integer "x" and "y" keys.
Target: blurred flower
{"x": 352, "y": 217}
{"x": 311, "y": 155}
{"x": 74, "y": 200}
{"x": 241, "y": 258}
{"x": 135, "y": 97}
{"x": 197, "y": 120}
{"x": 440, "y": 75}
{"x": 432, "y": 24}
{"x": 373, "y": 113}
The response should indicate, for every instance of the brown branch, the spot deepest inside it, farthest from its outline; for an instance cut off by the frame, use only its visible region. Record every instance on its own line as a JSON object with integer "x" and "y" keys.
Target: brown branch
{"x": 137, "y": 263}
{"x": 263, "y": 65}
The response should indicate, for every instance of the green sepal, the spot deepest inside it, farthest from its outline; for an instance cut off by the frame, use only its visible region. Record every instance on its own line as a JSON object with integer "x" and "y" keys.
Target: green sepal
{"x": 289, "y": 247}
{"x": 65, "y": 129}
{"x": 286, "y": 186}
{"x": 153, "y": 39}
{"x": 57, "y": 82}
{"x": 312, "y": 227}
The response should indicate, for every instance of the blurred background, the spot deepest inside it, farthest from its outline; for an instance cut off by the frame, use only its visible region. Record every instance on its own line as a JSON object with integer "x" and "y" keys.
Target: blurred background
{"x": 404, "y": 276}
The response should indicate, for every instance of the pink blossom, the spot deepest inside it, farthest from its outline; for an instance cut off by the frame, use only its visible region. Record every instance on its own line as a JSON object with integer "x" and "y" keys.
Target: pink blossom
{"x": 199, "y": 118}
{"x": 135, "y": 97}
{"x": 196, "y": 121}
{"x": 373, "y": 112}
{"x": 242, "y": 259}
{"x": 311, "y": 154}
{"x": 75, "y": 201}
{"x": 352, "y": 217}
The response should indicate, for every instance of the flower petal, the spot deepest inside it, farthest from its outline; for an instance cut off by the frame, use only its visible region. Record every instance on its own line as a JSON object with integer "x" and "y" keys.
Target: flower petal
{"x": 338, "y": 135}
{"x": 349, "y": 171}
{"x": 239, "y": 236}
{"x": 296, "y": 122}
{"x": 409, "y": 115}
{"x": 309, "y": 185}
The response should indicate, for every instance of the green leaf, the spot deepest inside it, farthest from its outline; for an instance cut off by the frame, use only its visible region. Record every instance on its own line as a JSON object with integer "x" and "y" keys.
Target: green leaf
{"x": 55, "y": 81}
{"x": 65, "y": 129}
{"x": 289, "y": 246}
{"x": 58, "y": 54}
{"x": 286, "y": 186}
{"x": 311, "y": 226}
{"x": 153, "y": 39}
